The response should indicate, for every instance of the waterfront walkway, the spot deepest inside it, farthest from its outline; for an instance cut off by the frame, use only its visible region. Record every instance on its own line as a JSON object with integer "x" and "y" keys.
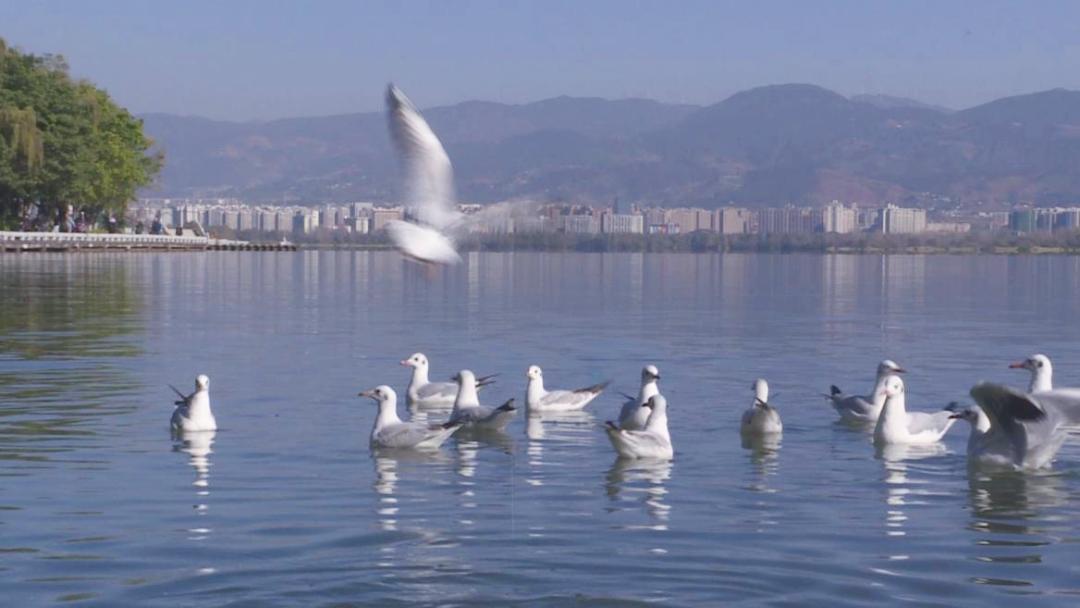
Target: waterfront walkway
{"x": 71, "y": 241}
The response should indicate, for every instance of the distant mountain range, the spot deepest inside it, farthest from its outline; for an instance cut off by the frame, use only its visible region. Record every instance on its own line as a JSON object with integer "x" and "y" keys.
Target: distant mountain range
{"x": 765, "y": 146}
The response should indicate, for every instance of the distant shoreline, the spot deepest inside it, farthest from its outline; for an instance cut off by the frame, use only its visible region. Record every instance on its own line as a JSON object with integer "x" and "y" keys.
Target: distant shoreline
{"x": 911, "y": 250}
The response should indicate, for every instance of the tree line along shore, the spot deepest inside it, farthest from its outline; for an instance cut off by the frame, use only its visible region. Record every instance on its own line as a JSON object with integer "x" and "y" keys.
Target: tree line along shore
{"x": 70, "y": 157}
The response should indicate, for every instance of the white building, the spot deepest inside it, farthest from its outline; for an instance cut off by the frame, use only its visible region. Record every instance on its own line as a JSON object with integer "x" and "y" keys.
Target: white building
{"x": 733, "y": 220}
{"x": 622, "y": 223}
{"x": 902, "y": 220}
{"x": 838, "y": 219}
{"x": 580, "y": 224}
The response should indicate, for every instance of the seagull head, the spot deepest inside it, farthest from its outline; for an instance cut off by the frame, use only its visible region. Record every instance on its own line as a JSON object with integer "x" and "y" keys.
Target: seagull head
{"x": 534, "y": 372}
{"x": 649, "y": 373}
{"x": 888, "y": 366}
{"x": 416, "y": 360}
{"x": 894, "y": 386}
{"x": 761, "y": 392}
{"x": 960, "y": 412}
{"x": 202, "y": 382}
{"x": 1034, "y": 363}
{"x": 380, "y": 394}
{"x": 464, "y": 378}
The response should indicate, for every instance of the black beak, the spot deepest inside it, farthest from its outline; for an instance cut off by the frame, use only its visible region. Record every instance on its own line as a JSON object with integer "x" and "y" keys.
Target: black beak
{"x": 760, "y": 403}
{"x": 955, "y": 417}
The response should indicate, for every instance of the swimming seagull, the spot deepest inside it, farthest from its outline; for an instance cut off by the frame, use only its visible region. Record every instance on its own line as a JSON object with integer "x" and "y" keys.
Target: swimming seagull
{"x": 390, "y": 432}
{"x": 653, "y": 441}
{"x": 1011, "y": 428}
{"x": 468, "y": 411}
{"x": 896, "y": 425}
{"x": 859, "y": 409}
{"x": 426, "y": 394}
{"x": 761, "y": 418}
{"x": 1067, "y": 400}
{"x": 192, "y": 411}
{"x": 632, "y": 417}
{"x": 539, "y": 400}
{"x": 1042, "y": 373}
{"x": 430, "y": 184}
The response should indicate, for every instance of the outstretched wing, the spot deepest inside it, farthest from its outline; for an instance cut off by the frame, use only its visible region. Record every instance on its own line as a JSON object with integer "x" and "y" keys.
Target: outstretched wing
{"x": 429, "y": 175}
{"x": 1010, "y": 411}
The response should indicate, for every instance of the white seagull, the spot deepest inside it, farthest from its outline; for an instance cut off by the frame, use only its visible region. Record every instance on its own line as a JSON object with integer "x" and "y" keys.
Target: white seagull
{"x": 192, "y": 411}
{"x": 761, "y": 418}
{"x": 1066, "y": 400}
{"x": 1042, "y": 373}
{"x": 429, "y": 182}
{"x": 896, "y": 425}
{"x": 468, "y": 411}
{"x": 632, "y": 417}
{"x": 1013, "y": 429}
{"x": 423, "y": 393}
{"x": 539, "y": 400}
{"x": 860, "y": 409}
{"x": 653, "y": 441}
{"x": 390, "y": 431}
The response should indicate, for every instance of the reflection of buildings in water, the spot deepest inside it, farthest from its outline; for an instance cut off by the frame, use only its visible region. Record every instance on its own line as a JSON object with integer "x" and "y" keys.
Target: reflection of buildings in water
{"x": 473, "y": 277}
{"x": 629, "y": 477}
{"x": 198, "y": 447}
{"x": 734, "y": 277}
{"x": 764, "y": 456}
{"x": 636, "y": 270}
{"x": 840, "y": 283}
{"x": 903, "y": 281}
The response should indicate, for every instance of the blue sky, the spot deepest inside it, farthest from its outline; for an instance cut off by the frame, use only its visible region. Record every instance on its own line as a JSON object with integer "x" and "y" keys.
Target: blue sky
{"x": 264, "y": 59}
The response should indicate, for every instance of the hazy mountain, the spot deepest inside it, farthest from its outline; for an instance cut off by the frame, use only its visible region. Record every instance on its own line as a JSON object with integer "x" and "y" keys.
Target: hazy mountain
{"x": 891, "y": 102}
{"x": 764, "y": 146}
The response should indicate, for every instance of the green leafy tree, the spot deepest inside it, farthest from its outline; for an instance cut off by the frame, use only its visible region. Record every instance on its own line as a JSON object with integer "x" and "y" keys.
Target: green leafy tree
{"x": 65, "y": 142}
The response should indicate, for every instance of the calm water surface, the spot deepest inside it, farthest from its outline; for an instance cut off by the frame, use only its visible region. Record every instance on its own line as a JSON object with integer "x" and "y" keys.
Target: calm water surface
{"x": 286, "y": 506}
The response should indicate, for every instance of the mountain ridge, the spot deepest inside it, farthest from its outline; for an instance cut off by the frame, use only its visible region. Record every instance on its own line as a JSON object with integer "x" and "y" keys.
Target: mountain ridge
{"x": 769, "y": 145}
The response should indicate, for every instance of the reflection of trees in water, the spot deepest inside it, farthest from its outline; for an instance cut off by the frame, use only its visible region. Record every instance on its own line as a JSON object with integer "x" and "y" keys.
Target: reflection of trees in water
{"x": 62, "y": 317}
{"x": 67, "y": 306}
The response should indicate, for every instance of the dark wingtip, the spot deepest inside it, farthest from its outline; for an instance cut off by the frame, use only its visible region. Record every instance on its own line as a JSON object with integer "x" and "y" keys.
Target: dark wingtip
{"x": 506, "y": 407}
{"x": 611, "y": 425}
{"x": 452, "y": 425}
{"x": 596, "y": 388}
{"x": 1020, "y": 406}
{"x": 835, "y": 390}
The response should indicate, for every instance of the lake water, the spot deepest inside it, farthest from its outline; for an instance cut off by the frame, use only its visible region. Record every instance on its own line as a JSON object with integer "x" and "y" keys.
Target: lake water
{"x": 286, "y": 506}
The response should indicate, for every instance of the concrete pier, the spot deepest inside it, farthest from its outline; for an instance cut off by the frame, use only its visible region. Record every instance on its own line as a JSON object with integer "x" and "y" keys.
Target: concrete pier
{"x": 69, "y": 241}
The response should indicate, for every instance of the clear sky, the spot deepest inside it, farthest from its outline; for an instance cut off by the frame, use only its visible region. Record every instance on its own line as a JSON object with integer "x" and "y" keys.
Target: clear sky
{"x": 269, "y": 58}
